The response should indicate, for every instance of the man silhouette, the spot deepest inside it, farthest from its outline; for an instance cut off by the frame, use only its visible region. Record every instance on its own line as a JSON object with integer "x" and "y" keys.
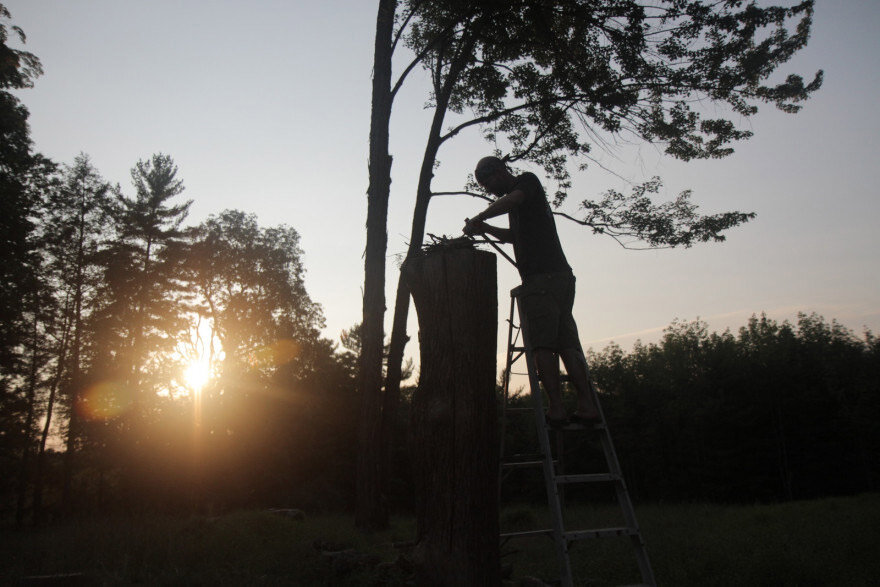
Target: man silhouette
{"x": 548, "y": 283}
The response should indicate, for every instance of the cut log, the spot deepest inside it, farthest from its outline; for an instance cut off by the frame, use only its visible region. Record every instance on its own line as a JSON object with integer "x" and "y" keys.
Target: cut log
{"x": 454, "y": 420}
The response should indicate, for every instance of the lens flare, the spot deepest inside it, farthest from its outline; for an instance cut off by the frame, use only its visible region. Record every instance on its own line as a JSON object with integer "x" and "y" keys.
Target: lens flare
{"x": 104, "y": 401}
{"x": 275, "y": 354}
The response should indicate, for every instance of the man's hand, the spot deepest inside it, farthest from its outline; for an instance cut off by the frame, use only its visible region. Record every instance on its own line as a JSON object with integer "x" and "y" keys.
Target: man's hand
{"x": 474, "y": 226}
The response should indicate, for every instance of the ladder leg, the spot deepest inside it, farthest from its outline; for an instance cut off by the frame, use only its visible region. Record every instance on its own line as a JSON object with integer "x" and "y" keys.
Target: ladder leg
{"x": 623, "y": 499}
{"x": 505, "y": 391}
{"x": 554, "y": 476}
{"x": 549, "y": 473}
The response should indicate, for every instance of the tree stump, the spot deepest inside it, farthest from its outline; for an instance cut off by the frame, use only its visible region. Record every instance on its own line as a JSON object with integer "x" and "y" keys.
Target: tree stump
{"x": 454, "y": 420}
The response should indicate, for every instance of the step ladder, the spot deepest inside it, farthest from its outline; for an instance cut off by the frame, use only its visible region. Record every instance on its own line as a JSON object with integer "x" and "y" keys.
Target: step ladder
{"x": 554, "y": 477}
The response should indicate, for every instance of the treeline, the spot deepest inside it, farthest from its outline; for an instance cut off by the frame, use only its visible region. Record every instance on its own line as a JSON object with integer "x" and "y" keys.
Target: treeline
{"x": 776, "y": 411}
{"x": 117, "y": 302}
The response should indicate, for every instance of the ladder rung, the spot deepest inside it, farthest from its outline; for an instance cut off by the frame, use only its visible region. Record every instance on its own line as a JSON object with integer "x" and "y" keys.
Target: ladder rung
{"x": 516, "y": 349}
{"x": 527, "y": 534}
{"x": 523, "y": 465}
{"x": 571, "y": 426}
{"x": 589, "y": 478}
{"x": 600, "y": 533}
{"x": 524, "y": 456}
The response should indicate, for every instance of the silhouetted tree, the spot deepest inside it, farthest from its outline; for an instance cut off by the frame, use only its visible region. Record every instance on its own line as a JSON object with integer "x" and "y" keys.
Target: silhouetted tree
{"x": 24, "y": 176}
{"x": 249, "y": 281}
{"x": 764, "y": 414}
{"x": 549, "y": 78}
{"x": 545, "y": 80}
{"x": 74, "y": 225}
{"x": 18, "y": 200}
{"x": 143, "y": 317}
{"x": 371, "y": 510}
{"x": 282, "y": 401}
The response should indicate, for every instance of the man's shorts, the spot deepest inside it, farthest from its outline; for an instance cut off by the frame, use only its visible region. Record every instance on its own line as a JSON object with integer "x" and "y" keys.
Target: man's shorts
{"x": 546, "y": 300}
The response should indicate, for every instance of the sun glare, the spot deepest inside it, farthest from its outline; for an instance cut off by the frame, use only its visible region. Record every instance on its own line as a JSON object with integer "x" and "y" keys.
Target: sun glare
{"x": 197, "y": 374}
{"x": 199, "y": 354}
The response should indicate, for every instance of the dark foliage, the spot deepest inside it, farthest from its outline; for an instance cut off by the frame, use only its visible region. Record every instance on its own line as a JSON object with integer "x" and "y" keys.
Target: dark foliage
{"x": 778, "y": 411}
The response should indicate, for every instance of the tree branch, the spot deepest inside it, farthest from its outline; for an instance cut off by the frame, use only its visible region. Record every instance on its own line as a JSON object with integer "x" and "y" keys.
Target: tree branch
{"x": 547, "y": 130}
{"x": 500, "y": 114}
{"x": 403, "y": 26}
{"x": 420, "y": 57}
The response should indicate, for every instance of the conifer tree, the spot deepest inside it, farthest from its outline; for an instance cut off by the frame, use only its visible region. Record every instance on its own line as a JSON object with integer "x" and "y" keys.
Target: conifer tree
{"x": 74, "y": 225}
{"x": 142, "y": 317}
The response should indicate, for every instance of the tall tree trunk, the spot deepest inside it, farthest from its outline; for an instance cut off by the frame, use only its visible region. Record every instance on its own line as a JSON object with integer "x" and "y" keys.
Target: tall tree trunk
{"x": 24, "y": 471}
{"x": 371, "y": 509}
{"x": 75, "y": 372}
{"x": 399, "y": 338}
{"x": 47, "y": 425}
{"x": 454, "y": 423}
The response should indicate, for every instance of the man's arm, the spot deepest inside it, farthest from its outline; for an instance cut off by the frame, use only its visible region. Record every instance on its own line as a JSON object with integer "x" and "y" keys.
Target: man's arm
{"x": 502, "y": 234}
{"x": 502, "y": 205}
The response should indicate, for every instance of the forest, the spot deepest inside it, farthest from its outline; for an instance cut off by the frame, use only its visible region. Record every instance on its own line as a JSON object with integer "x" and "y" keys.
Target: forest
{"x": 148, "y": 363}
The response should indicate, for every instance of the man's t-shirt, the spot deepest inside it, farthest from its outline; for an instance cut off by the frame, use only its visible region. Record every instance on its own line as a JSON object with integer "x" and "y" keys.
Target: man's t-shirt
{"x": 535, "y": 240}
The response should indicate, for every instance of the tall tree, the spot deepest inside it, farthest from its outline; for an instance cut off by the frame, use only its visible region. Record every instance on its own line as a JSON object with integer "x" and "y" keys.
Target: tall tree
{"x": 143, "y": 318}
{"x": 18, "y": 199}
{"x": 249, "y": 280}
{"x": 23, "y": 178}
{"x": 74, "y": 226}
{"x": 546, "y": 80}
{"x": 375, "y": 430}
{"x": 140, "y": 263}
{"x": 370, "y": 511}
{"x": 249, "y": 285}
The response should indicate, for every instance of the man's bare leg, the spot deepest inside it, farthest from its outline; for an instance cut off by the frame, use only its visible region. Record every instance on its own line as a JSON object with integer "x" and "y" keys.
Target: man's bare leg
{"x": 548, "y": 371}
{"x": 576, "y": 365}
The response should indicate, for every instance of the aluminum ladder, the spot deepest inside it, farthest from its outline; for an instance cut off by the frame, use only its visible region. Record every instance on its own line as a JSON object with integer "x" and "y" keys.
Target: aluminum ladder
{"x": 554, "y": 478}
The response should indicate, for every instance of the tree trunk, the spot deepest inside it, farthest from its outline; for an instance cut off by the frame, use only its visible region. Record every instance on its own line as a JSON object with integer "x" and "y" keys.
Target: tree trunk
{"x": 61, "y": 361}
{"x": 25, "y": 470}
{"x": 399, "y": 338}
{"x": 454, "y": 422}
{"x": 371, "y": 508}
{"x": 75, "y": 373}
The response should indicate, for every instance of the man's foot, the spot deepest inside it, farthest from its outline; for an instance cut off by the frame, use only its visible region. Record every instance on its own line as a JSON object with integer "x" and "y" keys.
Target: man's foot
{"x": 555, "y": 423}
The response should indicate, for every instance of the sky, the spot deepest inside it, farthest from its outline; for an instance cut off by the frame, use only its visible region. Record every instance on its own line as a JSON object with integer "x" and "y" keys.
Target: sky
{"x": 264, "y": 106}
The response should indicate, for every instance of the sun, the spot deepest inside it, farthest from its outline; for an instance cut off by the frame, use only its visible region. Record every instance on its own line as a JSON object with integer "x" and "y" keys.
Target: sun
{"x": 199, "y": 353}
{"x": 197, "y": 374}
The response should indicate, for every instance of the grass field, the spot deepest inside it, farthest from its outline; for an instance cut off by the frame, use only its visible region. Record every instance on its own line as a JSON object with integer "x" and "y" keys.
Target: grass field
{"x": 826, "y": 542}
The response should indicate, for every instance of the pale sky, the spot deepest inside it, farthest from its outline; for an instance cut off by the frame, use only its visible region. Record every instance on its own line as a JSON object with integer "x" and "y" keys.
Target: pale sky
{"x": 265, "y": 106}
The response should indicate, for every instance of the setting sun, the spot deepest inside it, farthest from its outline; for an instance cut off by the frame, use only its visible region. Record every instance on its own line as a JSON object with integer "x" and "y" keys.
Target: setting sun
{"x": 199, "y": 355}
{"x": 197, "y": 374}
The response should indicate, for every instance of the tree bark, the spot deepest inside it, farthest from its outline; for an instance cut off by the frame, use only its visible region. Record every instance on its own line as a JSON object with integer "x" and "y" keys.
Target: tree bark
{"x": 371, "y": 508}
{"x": 454, "y": 420}
{"x": 399, "y": 338}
